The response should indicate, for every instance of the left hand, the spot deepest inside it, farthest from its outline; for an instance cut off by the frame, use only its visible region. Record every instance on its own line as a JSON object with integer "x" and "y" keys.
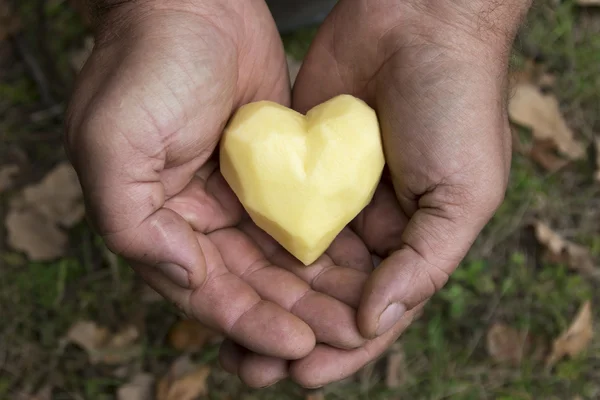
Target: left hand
{"x": 436, "y": 73}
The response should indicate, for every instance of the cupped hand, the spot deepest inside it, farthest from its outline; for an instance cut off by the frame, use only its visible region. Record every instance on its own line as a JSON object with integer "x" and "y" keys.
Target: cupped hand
{"x": 436, "y": 73}
{"x": 143, "y": 124}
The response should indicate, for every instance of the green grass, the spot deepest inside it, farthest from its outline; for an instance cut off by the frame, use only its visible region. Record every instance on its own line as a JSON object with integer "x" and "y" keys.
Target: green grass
{"x": 503, "y": 279}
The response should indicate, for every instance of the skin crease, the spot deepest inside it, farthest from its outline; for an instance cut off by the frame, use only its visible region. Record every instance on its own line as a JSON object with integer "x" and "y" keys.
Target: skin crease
{"x": 147, "y": 114}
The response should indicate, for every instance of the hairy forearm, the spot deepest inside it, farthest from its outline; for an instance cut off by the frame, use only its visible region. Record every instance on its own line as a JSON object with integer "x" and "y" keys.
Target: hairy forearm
{"x": 112, "y": 18}
{"x": 492, "y": 21}
{"x": 103, "y": 7}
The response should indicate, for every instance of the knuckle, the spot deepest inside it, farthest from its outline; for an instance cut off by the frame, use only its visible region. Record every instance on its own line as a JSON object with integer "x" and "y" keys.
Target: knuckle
{"x": 182, "y": 310}
{"x": 118, "y": 244}
{"x": 423, "y": 282}
{"x": 492, "y": 196}
{"x": 184, "y": 306}
{"x": 430, "y": 280}
{"x": 485, "y": 196}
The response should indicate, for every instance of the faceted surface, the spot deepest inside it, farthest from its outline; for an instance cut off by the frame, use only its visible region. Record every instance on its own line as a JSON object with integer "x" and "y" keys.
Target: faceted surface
{"x": 302, "y": 179}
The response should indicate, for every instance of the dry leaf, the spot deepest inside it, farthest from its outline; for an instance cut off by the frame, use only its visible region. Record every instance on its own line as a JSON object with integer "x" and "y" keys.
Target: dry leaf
{"x": 7, "y": 175}
{"x": 546, "y": 80}
{"x": 58, "y": 196}
{"x": 540, "y": 112}
{"x": 505, "y": 344}
{"x": 573, "y": 255}
{"x": 396, "y": 372}
{"x": 184, "y": 381}
{"x": 293, "y": 68}
{"x": 38, "y": 239}
{"x": 542, "y": 152}
{"x": 189, "y": 335}
{"x": 88, "y": 335}
{"x": 104, "y": 347}
{"x": 139, "y": 388}
{"x": 79, "y": 57}
{"x": 576, "y": 338}
{"x": 38, "y": 213}
{"x": 597, "y": 146}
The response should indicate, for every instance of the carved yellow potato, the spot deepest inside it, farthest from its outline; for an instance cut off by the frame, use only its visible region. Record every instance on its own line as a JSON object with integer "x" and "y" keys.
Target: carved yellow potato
{"x": 302, "y": 179}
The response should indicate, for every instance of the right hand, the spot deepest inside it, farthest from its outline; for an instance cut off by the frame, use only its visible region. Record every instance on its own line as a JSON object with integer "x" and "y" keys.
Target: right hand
{"x": 144, "y": 121}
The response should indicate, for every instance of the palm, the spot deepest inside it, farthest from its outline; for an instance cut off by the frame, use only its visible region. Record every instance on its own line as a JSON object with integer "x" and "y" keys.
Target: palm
{"x": 447, "y": 149}
{"x": 143, "y": 127}
{"x": 246, "y": 294}
{"x": 446, "y": 141}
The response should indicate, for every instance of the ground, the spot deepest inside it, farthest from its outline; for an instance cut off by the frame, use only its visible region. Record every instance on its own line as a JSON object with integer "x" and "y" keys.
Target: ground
{"x": 445, "y": 354}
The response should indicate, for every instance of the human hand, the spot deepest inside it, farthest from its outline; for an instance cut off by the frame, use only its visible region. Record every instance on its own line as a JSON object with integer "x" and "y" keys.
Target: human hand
{"x": 437, "y": 75}
{"x": 145, "y": 118}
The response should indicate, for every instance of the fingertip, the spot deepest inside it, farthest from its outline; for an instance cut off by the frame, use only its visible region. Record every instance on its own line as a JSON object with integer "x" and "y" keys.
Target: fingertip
{"x": 389, "y": 317}
{"x": 319, "y": 368}
{"x": 367, "y": 314}
{"x": 367, "y": 325}
{"x": 332, "y": 321}
{"x": 327, "y": 364}
{"x": 259, "y": 371}
{"x": 303, "y": 344}
{"x": 349, "y": 251}
{"x": 297, "y": 341}
{"x": 270, "y": 330}
{"x": 381, "y": 305}
{"x": 231, "y": 356}
{"x": 372, "y": 324}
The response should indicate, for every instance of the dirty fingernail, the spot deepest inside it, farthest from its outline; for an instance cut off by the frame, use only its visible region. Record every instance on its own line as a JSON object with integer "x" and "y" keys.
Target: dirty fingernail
{"x": 389, "y": 317}
{"x": 176, "y": 274}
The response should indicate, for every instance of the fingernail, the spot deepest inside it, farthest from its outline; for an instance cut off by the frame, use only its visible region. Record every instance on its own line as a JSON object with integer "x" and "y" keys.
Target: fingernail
{"x": 389, "y": 317}
{"x": 176, "y": 274}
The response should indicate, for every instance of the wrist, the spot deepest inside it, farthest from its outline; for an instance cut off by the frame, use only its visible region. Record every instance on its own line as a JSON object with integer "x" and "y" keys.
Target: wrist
{"x": 490, "y": 25}
{"x": 117, "y": 18}
{"x": 494, "y": 23}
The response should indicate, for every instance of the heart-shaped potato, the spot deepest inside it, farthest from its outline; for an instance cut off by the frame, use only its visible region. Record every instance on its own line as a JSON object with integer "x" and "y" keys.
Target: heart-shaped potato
{"x": 302, "y": 178}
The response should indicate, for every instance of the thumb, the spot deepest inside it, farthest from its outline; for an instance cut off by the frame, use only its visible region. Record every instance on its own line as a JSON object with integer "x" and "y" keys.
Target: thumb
{"x": 130, "y": 215}
{"x": 139, "y": 127}
{"x": 434, "y": 242}
{"x": 125, "y": 192}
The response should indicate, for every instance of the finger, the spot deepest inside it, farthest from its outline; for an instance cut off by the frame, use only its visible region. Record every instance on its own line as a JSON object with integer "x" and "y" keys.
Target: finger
{"x": 345, "y": 285}
{"x": 226, "y": 303}
{"x": 433, "y": 243}
{"x": 380, "y": 225}
{"x": 342, "y": 60}
{"x": 325, "y": 364}
{"x": 323, "y": 275}
{"x": 207, "y": 203}
{"x": 332, "y": 321}
{"x": 253, "y": 369}
{"x": 348, "y": 250}
{"x": 258, "y": 371}
{"x": 125, "y": 203}
{"x": 231, "y": 355}
{"x": 127, "y": 176}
